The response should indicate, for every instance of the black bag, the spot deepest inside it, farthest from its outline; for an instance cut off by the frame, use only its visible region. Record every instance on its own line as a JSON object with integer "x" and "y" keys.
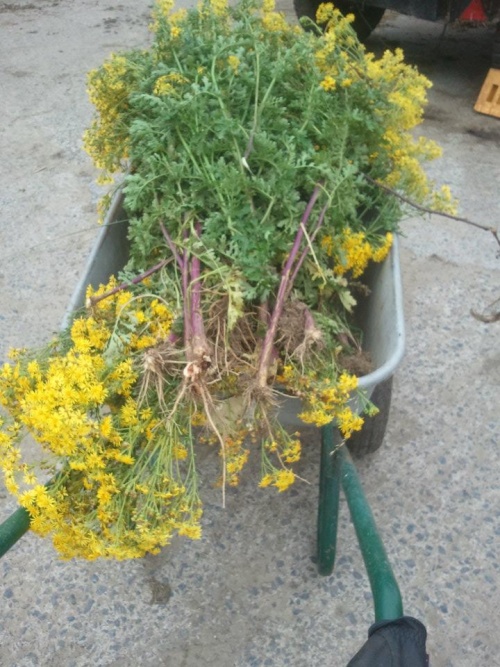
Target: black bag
{"x": 399, "y": 643}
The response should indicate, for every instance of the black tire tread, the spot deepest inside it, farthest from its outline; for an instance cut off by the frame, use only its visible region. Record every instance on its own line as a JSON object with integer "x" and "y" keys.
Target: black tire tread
{"x": 371, "y": 436}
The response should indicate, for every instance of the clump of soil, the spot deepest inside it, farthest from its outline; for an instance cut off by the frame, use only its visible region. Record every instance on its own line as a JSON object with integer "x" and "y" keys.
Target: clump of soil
{"x": 359, "y": 363}
{"x": 291, "y": 326}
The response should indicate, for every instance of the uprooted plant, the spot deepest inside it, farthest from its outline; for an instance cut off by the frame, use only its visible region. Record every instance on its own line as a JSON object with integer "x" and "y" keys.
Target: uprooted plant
{"x": 251, "y": 152}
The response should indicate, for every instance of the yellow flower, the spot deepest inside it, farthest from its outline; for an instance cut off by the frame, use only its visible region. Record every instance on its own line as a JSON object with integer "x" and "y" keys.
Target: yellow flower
{"x": 328, "y": 83}
{"x": 267, "y": 480}
{"x": 317, "y": 417}
{"x": 10, "y": 484}
{"x": 33, "y": 369}
{"x": 444, "y": 201}
{"x": 163, "y": 86}
{"x": 324, "y": 12}
{"x": 233, "y": 62}
{"x": 291, "y": 453}
{"x": 347, "y": 383}
{"x": 178, "y": 17}
{"x": 348, "y": 422}
{"x": 180, "y": 452}
{"x": 29, "y": 478}
{"x": 354, "y": 254}
{"x": 219, "y": 7}
{"x": 191, "y": 531}
{"x": 382, "y": 251}
{"x": 284, "y": 479}
{"x": 162, "y": 9}
{"x": 124, "y": 458}
{"x": 275, "y": 22}
{"x": 128, "y": 413}
{"x": 198, "y": 419}
{"x": 95, "y": 461}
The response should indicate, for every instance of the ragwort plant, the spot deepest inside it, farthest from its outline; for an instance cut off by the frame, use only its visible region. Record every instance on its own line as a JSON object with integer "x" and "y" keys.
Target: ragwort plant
{"x": 249, "y": 153}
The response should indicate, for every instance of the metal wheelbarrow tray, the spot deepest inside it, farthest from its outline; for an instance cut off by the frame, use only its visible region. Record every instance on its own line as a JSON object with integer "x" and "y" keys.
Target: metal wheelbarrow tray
{"x": 380, "y": 316}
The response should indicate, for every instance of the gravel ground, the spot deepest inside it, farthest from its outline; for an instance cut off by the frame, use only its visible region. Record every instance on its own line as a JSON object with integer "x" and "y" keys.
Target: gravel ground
{"x": 248, "y": 593}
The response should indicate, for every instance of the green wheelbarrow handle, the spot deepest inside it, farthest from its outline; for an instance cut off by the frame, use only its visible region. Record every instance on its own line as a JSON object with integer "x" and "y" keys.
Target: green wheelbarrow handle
{"x": 13, "y": 528}
{"x": 337, "y": 469}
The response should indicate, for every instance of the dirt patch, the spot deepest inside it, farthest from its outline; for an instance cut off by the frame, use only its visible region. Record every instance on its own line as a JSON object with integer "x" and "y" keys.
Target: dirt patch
{"x": 485, "y": 135}
{"x": 13, "y": 8}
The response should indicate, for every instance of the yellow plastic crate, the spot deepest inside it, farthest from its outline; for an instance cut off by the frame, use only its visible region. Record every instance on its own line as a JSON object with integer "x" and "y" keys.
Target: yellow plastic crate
{"x": 488, "y": 101}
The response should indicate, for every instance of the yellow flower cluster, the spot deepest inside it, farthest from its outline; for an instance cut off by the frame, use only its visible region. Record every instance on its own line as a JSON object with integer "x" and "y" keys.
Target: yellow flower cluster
{"x": 354, "y": 254}
{"x": 352, "y": 251}
{"x": 443, "y": 200}
{"x": 328, "y": 83}
{"x": 160, "y": 14}
{"x": 325, "y": 398}
{"x": 338, "y": 38}
{"x": 285, "y": 449}
{"x": 219, "y": 7}
{"x": 233, "y": 62}
{"x": 281, "y": 479}
{"x": 236, "y": 455}
{"x": 275, "y": 22}
{"x": 348, "y": 422}
{"x": 106, "y": 141}
{"x": 404, "y": 88}
{"x": 165, "y": 85}
{"x": 117, "y": 489}
{"x": 272, "y": 20}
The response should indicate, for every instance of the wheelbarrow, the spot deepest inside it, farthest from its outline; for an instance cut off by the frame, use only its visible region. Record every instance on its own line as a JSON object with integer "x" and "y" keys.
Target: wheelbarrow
{"x": 394, "y": 640}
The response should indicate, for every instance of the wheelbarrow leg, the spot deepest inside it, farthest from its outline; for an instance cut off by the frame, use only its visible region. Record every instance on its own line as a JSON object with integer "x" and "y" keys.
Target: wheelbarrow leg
{"x": 329, "y": 491}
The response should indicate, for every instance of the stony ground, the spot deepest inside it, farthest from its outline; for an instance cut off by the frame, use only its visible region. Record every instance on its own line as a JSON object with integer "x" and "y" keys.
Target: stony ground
{"x": 248, "y": 594}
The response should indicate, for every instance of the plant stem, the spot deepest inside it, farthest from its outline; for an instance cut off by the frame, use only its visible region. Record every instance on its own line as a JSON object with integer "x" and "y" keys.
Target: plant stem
{"x": 138, "y": 279}
{"x": 186, "y": 298}
{"x": 305, "y": 251}
{"x": 198, "y": 343}
{"x": 431, "y": 211}
{"x": 171, "y": 245}
{"x": 267, "y": 347}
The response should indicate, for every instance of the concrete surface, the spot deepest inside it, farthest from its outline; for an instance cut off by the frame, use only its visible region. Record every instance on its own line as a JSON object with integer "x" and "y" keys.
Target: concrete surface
{"x": 248, "y": 594}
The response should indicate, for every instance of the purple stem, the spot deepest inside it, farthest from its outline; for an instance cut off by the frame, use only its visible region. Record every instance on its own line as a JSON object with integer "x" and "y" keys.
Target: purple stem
{"x": 267, "y": 347}
{"x": 198, "y": 344}
{"x": 198, "y": 329}
{"x": 186, "y": 295}
{"x": 171, "y": 245}
{"x": 135, "y": 281}
{"x": 173, "y": 338}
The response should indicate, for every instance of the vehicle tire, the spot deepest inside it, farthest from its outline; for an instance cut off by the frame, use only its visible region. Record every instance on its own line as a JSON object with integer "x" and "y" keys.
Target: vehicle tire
{"x": 495, "y": 53}
{"x": 366, "y": 17}
{"x": 371, "y": 436}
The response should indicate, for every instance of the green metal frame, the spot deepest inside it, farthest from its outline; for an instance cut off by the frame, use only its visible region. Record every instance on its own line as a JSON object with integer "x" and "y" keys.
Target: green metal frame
{"x": 13, "y": 528}
{"x": 337, "y": 469}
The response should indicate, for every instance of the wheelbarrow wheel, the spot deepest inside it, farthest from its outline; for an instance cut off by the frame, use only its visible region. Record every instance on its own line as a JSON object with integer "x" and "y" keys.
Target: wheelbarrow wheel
{"x": 366, "y": 18}
{"x": 371, "y": 436}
